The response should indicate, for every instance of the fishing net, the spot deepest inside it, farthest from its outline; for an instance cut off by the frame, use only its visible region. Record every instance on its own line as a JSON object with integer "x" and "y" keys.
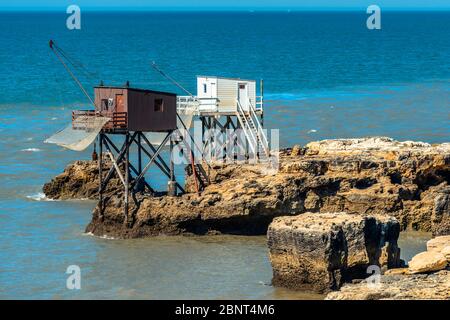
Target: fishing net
{"x": 80, "y": 133}
{"x": 156, "y": 138}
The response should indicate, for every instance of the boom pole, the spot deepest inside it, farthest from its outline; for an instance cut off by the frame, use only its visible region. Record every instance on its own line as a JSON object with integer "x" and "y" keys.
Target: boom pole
{"x": 155, "y": 66}
{"x": 53, "y": 46}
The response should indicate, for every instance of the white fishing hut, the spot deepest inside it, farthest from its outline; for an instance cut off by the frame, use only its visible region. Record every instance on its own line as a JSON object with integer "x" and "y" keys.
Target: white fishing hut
{"x": 229, "y": 104}
{"x": 220, "y": 95}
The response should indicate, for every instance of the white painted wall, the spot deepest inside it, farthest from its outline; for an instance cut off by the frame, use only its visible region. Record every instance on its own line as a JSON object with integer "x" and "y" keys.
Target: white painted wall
{"x": 225, "y": 90}
{"x": 207, "y": 87}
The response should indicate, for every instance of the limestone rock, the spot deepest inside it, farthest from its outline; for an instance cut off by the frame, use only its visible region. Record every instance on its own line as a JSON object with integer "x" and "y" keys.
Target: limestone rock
{"x": 369, "y": 176}
{"x": 396, "y": 271}
{"x": 296, "y": 151}
{"x": 427, "y": 261}
{"x": 446, "y": 253}
{"x": 398, "y": 287}
{"x": 320, "y": 251}
{"x": 79, "y": 180}
{"x": 383, "y": 144}
{"x": 441, "y": 213}
{"x": 438, "y": 243}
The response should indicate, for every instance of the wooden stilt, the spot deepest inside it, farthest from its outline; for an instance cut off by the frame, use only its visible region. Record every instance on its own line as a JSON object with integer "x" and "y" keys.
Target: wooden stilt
{"x": 171, "y": 187}
{"x": 127, "y": 172}
{"x": 155, "y": 155}
{"x": 211, "y": 139}
{"x": 161, "y": 165}
{"x": 139, "y": 153}
{"x": 111, "y": 144}
{"x": 100, "y": 175}
{"x": 172, "y": 167}
{"x": 119, "y": 159}
{"x": 202, "y": 119}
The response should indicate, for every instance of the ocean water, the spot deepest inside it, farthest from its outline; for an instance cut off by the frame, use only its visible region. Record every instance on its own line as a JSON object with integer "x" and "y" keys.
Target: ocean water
{"x": 325, "y": 76}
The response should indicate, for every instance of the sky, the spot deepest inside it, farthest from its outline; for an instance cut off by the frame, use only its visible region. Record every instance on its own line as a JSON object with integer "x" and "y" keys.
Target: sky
{"x": 223, "y": 4}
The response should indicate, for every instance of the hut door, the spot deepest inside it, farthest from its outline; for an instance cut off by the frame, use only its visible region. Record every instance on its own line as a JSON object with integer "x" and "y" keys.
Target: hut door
{"x": 243, "y": 95}
{"x": 120, "y": 104}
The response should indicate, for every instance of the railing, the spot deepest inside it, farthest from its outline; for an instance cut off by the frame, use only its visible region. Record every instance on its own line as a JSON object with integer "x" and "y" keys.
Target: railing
{"x": 193, "y": 104}
{"x": 208, "y": 104}
{"x": 187, "y": 104}
{"x": 249, "y": 133}
{"x": 119, "y": 120}
{"x": 79, "y": 113}
{"x": 77, "y": 123}
{"x": 259, "y": 128}
{"x": 259, "y": 103}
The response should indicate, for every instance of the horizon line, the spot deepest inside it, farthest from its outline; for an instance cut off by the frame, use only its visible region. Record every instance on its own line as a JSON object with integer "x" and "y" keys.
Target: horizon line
{"x": 219, "y": 9}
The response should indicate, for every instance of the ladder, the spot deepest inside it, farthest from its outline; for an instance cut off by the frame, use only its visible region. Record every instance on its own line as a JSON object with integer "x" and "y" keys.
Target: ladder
{"x": 252, "y": 128}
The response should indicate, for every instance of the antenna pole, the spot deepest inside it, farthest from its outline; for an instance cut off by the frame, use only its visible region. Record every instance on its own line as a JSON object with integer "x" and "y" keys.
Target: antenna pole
{"x": 53, "y": 46}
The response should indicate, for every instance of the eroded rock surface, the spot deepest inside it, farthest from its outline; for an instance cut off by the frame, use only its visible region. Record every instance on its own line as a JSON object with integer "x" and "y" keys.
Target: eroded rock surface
{"x": 376, "y": 176}
{"x": 440, "y": 219}
{"x": 434, "y": 259}
{"x": 427, "y": 261}
{"x": 438, "y": 243}
{"x": 321, "y": 251}
{"x": 398, "y": 287}
{"x": 426, "y": 277}
{"x": 79, "y": 181}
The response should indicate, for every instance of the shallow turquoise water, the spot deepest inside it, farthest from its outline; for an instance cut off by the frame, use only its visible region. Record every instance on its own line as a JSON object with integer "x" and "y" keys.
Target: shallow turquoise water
{"x": 326, "y": 76}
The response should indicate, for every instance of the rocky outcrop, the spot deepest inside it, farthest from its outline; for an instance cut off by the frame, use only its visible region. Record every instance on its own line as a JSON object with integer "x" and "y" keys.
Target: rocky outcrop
{"x": 380, "y": 175}
{"x": 427, "y": 261}
{"x": 446, "y": 253}
{"x": 79, "y": 181}
{"x": 398, "y": 287}
{"x": 321, "y": 251}
{"x": 426, "y": 277}
{"x": 441, "y": 245}
{"x": 434, "y": 259}
{"x": 438, "y": 244}
{"x": 374, "y": 176}
{"x": 440, "y": 219}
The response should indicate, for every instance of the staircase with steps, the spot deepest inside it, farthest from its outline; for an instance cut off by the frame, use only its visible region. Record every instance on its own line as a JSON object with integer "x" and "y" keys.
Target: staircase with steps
{"x": 253, "y": 130}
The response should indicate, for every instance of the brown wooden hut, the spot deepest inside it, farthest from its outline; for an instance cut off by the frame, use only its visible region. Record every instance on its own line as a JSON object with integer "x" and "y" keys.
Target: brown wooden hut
{"x": 132, "y": 109}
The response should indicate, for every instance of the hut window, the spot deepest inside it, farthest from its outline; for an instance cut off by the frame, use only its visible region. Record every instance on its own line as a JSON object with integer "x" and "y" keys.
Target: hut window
{"x": 205, "y": 88}
{"x": 159, "y": 105}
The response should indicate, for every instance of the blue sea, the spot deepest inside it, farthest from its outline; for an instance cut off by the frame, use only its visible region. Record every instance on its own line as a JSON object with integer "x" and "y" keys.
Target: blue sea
{"x": 325, "y": 76}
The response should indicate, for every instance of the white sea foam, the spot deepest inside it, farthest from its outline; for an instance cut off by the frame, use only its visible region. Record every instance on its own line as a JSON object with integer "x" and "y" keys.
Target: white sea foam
{"x": 107, "y": 237}
{"x": 31, "y": 150}
{"x": 39, "y": 197}
{"x": 312, "y": 131}
{"x": 101, "y": 237}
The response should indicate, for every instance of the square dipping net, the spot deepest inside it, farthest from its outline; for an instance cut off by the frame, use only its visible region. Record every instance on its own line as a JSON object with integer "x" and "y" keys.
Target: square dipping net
{"x": 80, "y": 133}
